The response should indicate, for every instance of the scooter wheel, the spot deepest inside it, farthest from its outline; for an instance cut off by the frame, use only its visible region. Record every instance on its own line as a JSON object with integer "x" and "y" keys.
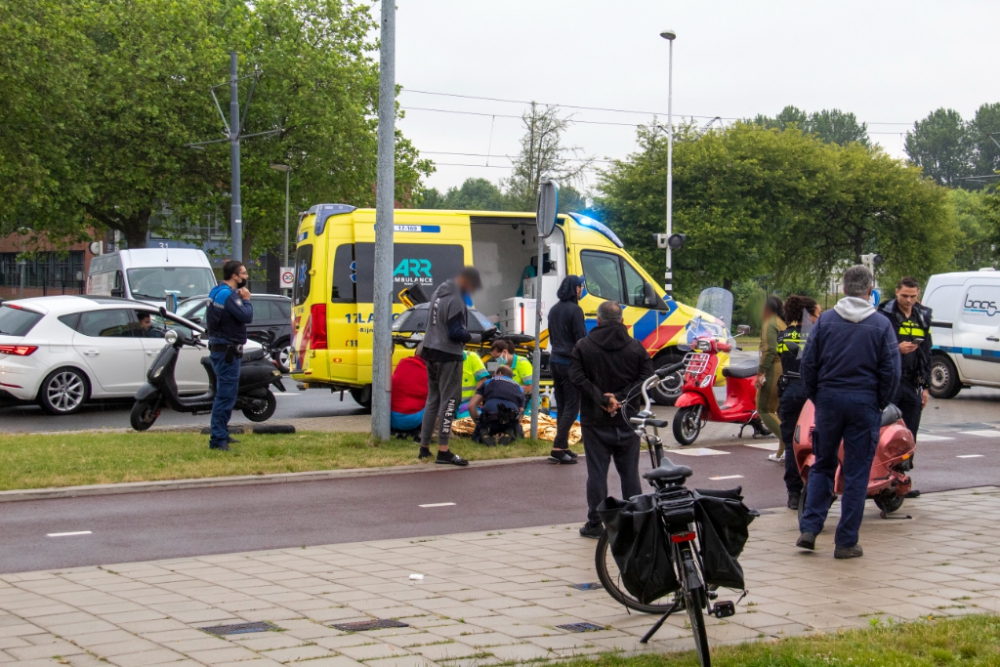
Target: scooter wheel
{"x": 264, "y": 413}
{"x": 687, "y": 424}
{"x": 143, "y": 415}
{"x": 888, "y": 502}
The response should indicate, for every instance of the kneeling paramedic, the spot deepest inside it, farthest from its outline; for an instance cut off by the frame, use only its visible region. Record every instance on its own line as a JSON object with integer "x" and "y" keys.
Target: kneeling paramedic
{"x": 502, "y": 401}
{"x": 228, "y": 315}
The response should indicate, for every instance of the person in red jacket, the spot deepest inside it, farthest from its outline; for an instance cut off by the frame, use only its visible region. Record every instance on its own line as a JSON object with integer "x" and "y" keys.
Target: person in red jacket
{"x": 409, "y": 394}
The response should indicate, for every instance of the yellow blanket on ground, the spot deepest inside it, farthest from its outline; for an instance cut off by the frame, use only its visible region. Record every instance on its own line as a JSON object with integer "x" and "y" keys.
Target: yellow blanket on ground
{"x": 546, "y": 428}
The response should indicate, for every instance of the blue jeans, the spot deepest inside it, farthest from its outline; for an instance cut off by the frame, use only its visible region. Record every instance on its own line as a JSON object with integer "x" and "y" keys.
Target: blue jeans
{"x": 227, "y": 386}
{"x": 403, "y": 422}
{"x": 853, "y": 418}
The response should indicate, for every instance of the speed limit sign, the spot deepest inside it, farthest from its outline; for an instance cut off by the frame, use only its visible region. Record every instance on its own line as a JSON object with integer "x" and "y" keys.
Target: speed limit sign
{"x": 287, "y": 277}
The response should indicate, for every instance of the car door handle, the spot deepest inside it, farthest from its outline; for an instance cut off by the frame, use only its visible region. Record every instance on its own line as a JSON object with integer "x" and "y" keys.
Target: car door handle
{"x": 91, "y": 353}
{"x": 150, "y": 353}
{"x": 993, "y": 339}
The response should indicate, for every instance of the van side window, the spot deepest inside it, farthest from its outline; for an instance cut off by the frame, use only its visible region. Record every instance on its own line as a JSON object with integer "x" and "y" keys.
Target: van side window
{"x": 302, "y": 280}
{"x": 981, "y": 306}
{"x": 635, "y": 286}
{"x": 344, "y": 275}
{"x": 603, "y": 275}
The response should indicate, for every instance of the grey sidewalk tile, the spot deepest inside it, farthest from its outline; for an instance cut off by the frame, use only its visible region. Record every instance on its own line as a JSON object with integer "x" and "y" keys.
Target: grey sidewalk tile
{"x": 296, "y": 653}
{"x": 373, "y": 651}
{"x": 154, "y": 657}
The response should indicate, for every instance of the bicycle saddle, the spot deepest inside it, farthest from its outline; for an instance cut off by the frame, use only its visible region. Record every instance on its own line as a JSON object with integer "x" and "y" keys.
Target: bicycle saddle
{"x": 668, "y": 472}
{"x": 744, "y": 371}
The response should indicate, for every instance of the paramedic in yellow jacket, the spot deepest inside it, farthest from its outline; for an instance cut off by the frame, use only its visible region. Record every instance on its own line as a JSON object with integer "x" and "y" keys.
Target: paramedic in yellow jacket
{"x": 474, "y": 373}
{"x": 503, "y": 353}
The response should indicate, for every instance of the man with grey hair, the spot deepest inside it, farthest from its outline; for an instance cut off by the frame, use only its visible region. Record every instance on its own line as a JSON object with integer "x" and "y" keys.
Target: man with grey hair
{"x": 605, "y": 366}
{"x": 850, "y": 371}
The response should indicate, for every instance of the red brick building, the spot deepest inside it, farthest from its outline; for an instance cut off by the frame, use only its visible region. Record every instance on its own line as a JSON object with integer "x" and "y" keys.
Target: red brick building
{"x": 48, "y": 270}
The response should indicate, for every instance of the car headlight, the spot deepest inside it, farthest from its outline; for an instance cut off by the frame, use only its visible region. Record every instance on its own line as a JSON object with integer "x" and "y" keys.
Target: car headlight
{"x": 170, "y": 337}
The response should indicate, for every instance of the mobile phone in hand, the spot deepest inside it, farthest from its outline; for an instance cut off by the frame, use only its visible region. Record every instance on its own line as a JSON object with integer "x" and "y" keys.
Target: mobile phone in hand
{"x": 918, "y": 341}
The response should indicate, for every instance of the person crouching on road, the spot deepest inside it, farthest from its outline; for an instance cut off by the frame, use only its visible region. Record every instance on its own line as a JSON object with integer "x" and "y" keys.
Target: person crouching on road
{"x": 229, "y": 313}
{"x": 791, "y": 393}
{"x": 409, "y": 395}
{"x": 769, "y": 370}
{"x": 502, "y": 402}
{"x": 912, "y": 323}
{"x": 566, "y": 327}
{"x": 605, "y": 367}
{"x": 850, "y": 370}
{"x": 444, "y": 341}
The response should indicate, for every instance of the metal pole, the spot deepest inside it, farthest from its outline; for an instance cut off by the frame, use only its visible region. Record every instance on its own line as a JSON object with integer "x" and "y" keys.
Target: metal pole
{"x": 288, "y": 178}
{"x": 236, "y": 215}
{"x": 536, "y": 358}
{"x": 669, "y": 276}
{"x": 24, "y": 269}
{"x": 384, "y": 203}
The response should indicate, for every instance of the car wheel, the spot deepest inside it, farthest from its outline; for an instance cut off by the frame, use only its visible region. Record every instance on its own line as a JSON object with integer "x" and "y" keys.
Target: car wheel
{"x": 363, "y": 396}
{"x": 667, "y": 391}
{"x": 944, "y": 377}
{"x": 282, "y": 355}
{"x": 63, "y": 391}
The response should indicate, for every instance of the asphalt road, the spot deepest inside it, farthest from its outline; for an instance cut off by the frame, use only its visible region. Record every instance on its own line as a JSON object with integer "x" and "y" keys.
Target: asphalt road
{"x": 293, "y": 404}
{"x": 169, "y": 524}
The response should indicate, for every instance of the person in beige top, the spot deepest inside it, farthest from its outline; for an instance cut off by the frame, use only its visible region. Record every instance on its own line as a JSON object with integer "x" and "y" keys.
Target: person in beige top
{"x": 769, "y": 370}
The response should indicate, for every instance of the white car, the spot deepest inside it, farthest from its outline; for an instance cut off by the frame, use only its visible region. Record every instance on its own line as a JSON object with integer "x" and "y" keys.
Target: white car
{"x": 61, "y": 351}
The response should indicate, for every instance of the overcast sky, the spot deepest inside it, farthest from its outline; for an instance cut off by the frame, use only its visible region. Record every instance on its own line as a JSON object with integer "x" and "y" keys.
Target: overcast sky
{"x": 889, "y": 62}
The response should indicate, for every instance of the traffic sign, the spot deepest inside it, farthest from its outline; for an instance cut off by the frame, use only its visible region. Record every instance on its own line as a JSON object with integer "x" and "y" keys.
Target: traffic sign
{"x": 876, "y": 297}
{"x": 287, "y": 277}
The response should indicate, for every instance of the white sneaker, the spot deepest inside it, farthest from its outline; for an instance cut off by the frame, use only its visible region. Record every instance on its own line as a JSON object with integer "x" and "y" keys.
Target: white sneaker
{"x": 776, "y": 458}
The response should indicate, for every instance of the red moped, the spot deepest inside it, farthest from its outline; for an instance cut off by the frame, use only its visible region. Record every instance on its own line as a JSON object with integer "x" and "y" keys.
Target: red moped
{"x": 697, "y": 405}
{"x": 888, "y": 482}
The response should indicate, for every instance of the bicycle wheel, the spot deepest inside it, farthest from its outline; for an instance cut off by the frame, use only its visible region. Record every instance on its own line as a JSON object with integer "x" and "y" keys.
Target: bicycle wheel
{"x": 694, "y": 602}
{"x": 607, "y": 572}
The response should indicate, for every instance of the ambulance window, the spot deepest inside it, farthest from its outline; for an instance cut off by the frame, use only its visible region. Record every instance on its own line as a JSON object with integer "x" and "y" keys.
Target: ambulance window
{"x": 343, "y": 274}
{"x": 603, "y": 275}
{"x": 303, "y": 281}
{"x": 635, "y": 286}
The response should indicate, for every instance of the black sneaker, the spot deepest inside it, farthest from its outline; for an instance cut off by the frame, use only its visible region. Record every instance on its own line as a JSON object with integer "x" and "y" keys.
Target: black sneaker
{"x": 489, "y": 441}
{"x": 450, "y": 458}
{"x": 848, "y": 552}
{"x": 233, "y": 441}
{"x": 806, "y": 541}
{"x": 793, "y": 502}
{"x": 571, "y": 453}
{"x": 560, "y": 456}
{"x": 912, "y": 493}
{"x": 425, "y": 453}
{"x": 224, "y": 447}
{"x": 592, "y": 530}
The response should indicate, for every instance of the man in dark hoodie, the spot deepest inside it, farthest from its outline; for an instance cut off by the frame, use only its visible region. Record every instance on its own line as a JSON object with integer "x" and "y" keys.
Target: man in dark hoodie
{"x": 444, "y": 342}
{"x": 850, "y": 370}
{"x": 605, "y": 367}
{"x": 566, "y": 327}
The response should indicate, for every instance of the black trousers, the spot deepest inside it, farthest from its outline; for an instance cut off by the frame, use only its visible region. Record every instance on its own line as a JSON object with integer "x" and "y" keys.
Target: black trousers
{"x": 601, "y": 444}
{"x": 567, "y": 402}
{"x": 789, "y": 408}
{"x": 908, "y": 399}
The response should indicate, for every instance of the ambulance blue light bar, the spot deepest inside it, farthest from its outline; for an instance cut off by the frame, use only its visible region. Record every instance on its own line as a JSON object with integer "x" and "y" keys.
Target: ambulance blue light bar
{"x": 597, "y": 227}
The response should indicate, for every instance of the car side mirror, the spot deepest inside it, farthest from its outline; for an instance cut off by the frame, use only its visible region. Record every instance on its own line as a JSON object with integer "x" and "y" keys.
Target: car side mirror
{"x": 650, "y": 298}
{"x": 743, "y": 329}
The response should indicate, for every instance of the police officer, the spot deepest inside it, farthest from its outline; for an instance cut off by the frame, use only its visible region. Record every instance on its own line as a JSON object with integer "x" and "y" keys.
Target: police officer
{"x": 912, "y": 323}
{"x": 228, "y": 315}
{"x": 791, "y": 391}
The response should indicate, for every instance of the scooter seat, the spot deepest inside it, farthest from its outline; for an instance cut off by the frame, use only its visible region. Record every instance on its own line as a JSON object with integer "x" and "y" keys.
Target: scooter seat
{"x": 891, "y": 415}
{"x": 740, "y": 372}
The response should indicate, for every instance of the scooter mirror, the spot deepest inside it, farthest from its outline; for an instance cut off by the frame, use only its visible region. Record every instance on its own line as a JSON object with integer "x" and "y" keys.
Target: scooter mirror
{"x": 743, "y": 329}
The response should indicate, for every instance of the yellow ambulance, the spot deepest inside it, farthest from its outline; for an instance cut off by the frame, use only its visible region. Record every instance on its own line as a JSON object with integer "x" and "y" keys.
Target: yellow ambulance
{"x": 332, "y": 313}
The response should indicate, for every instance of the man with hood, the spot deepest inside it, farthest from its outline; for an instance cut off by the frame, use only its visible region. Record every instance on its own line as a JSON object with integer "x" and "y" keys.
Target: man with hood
{"x": 444, "y": 344}
{"x": 605, "y": 367}
{"x": 850, "y": 371}
{"x": 566, "y": 327}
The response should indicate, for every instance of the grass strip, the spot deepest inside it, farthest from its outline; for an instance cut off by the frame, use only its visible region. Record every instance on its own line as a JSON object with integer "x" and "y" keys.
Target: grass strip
{"x": 968, "y": 641}
{"x": 38, "y": 461}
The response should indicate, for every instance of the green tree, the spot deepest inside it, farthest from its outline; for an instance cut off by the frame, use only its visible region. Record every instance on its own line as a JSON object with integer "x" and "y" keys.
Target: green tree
{"x": 985, "y": 148}
{"x": 475, "y": 194}
{"x": 972, "y": 216}
{"x": 830, "y": 125}
{"x": 940, "y": 145}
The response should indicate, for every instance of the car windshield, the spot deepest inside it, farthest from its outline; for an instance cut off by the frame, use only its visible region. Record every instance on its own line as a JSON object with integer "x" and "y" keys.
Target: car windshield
{"x": 155, "y": 282}
{"x": 195, "y": 308}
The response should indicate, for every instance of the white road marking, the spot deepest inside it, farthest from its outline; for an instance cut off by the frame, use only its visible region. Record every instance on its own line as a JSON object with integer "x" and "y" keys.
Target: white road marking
{"x": 770, "y": 446}
{"x": 927, "y": 437}
{"x": 970, "y": 456}
{"x": 701, "y": 451}
{"x": 286, "y": 394}
{"x": 982, "y": 434}
{"x": 77, "y": 532}
{"x": 720, "y": 477}
{"x": 437, "y": 505}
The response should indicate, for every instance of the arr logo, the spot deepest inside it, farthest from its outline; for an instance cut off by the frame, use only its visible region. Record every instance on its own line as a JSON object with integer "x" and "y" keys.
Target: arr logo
{"x": 413, "y": 268}
{"x": 980, "y": 306}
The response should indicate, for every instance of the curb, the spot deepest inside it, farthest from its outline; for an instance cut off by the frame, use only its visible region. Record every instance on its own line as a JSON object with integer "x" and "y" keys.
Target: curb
{"x": 242, "y": 480}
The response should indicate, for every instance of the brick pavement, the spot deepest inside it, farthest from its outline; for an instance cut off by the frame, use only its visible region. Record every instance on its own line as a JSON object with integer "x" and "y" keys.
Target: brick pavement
{"x": 486, "y": 598}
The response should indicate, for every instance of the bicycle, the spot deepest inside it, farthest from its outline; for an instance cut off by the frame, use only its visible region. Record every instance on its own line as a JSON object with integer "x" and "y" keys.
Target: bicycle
{"x": 675, "y": 505}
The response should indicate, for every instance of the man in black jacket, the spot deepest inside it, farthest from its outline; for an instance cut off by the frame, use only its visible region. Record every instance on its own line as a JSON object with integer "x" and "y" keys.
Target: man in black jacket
{"x": 566, "y": 327}
{"x": 605, "y": 367}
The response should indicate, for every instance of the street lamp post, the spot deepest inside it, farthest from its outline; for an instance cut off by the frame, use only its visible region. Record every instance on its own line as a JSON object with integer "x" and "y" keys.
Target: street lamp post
{"x": 670, "y": 36}
{"x": 288, "y": 174}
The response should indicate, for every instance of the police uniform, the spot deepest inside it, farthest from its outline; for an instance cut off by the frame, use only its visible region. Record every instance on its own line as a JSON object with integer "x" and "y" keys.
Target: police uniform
{"x": 227, "y": 318}
{"x": 792, "y": 395}
{"x": 916, "y": 365}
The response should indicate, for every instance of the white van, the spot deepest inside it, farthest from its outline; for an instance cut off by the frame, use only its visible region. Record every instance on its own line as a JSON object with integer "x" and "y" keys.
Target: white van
{"x": 149, "y": 274}
{"x": 965, "y": 329}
